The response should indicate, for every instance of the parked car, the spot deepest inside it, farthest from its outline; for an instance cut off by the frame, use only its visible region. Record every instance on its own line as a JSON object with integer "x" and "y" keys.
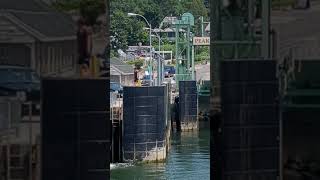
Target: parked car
{"x": 116, "y": 87}
{"x": 14, "y": 79}
{"x": 22, "y": 82}
{"x": 146, "y": 80}
{"x": 169, "y": 71}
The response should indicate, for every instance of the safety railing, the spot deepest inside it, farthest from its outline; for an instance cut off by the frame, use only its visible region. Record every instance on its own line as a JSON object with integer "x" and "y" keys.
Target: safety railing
{"x": 238, "y": 49}
{"x": 156, "y": 153}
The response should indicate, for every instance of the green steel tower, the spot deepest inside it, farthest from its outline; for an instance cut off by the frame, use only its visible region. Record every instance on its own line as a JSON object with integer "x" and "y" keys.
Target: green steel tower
{"x": 240, "y": 31}
{"x": 234, "y": 35}
{"x": 183, "y": 47}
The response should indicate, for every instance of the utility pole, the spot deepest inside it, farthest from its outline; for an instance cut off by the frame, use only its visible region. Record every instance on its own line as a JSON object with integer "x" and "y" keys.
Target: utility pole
{"x": 183, "y": 47}
{"x": 202, "y": 26}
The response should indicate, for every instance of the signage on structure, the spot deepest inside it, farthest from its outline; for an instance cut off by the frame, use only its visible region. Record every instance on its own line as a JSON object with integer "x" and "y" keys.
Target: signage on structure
{"x": 201, "y": 41}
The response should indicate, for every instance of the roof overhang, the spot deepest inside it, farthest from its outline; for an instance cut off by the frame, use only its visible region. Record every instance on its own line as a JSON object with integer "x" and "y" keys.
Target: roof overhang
{"x": 34, "y": 33}
{"x": 119, "y": 71}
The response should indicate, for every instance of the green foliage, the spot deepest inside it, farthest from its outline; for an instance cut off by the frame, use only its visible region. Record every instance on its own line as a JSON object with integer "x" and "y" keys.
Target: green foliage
{"x": 196, "y": 7}
{"x": 126, "y": 31}
{"x": 202, "y": 53}
{"x": 89, "y": 9}
{"x": 113, "y": 53}
{"x": 137, "y": 63}
{"x": 129, "y": 30}
{"x": 169, "y": 47}
{"x": 66, "y": 5}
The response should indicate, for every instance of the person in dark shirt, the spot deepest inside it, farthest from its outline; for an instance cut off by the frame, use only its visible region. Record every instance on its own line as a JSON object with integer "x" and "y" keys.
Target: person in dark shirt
{"x": 84, "y": 37}
{"x": 177, "y": 116}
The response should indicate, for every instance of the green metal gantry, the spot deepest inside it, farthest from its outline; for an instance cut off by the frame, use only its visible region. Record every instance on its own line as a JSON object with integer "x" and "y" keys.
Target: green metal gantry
{"x": 233, "y": 34}
{"x": 184, "y": 64}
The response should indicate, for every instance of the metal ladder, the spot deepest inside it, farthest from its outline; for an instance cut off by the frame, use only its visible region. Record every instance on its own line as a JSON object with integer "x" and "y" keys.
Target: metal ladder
{"x": 16, "y": 167}
{"x": 115, "y": 114}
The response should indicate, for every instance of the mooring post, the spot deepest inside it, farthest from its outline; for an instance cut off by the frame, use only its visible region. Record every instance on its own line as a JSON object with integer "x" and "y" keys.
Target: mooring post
{"x": 156, "y": 149}
{"x": 146, "y": 149}
{"x": 134, "y": 149}
{"x": 164, "y": 150}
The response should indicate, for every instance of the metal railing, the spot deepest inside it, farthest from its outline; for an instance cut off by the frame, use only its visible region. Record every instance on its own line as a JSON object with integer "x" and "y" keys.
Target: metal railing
{"x": 231, "y": 49}
{"x": 158, "y": 151}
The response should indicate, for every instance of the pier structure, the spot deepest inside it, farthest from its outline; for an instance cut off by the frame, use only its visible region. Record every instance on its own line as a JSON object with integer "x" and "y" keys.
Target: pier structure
{"x": 116, "y": 120}
{"x": 145, "y": 123}
{"x": 75, "y": 134}
{"x": 265, "y": 91}
{"x": 19, "y": 138}
{"x": 188, "y": 106}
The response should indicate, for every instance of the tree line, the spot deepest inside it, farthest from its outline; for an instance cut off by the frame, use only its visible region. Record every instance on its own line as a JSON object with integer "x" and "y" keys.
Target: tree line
{"x": 130, "y": 30}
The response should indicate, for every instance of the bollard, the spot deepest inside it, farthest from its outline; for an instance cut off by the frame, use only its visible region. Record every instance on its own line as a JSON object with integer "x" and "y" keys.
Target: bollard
{"x": 156, "y": 150}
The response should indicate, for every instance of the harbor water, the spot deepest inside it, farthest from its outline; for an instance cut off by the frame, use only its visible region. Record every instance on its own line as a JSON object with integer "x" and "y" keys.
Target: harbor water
{"x": 188, "y": 159}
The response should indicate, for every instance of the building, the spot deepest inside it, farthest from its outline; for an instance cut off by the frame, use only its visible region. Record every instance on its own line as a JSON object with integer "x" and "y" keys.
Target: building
{"x": 168, "y": 33}
{"x": 121, "y": 72}
{"x": 34, "y": 35}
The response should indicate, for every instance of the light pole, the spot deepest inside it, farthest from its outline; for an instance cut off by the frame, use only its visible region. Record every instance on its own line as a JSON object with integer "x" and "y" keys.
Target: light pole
{"x": 159, "y": 63}
{"x": 150, "y": 43}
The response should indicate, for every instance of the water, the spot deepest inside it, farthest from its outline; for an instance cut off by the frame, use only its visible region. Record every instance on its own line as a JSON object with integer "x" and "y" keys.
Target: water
{"x": 188, "y": 159}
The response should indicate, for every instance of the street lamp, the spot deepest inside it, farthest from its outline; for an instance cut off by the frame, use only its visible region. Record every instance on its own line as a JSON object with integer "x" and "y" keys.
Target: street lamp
{"x": 150, "y": 43}
{"x": 159, "y": 63}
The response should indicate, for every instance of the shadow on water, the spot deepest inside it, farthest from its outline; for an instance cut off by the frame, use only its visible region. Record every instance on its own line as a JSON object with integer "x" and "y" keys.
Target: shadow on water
{"x": 188, "y": 159}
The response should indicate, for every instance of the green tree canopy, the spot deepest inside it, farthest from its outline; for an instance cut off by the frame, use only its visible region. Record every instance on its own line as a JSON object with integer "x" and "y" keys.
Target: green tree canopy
{"x": 129, "y": 30}
{"x": 89, "y": 9}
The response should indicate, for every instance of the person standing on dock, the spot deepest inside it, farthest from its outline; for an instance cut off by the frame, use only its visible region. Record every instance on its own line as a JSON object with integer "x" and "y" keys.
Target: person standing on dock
{"x": 176, "y": 112}
{"x": 84, "y": 37}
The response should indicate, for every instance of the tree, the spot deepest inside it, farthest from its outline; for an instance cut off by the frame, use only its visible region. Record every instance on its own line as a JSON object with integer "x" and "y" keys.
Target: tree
{"x": 197, "y": 9}
{"x": 126, "y": 31}
{"x": 89, "y": 9}
{"x": 129, "y": 30}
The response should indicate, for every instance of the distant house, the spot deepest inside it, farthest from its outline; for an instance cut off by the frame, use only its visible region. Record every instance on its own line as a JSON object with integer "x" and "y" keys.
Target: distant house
{"x": 121, "y": 72}
{"x": 169, "y": 33}
{"x": 34, "y": 35}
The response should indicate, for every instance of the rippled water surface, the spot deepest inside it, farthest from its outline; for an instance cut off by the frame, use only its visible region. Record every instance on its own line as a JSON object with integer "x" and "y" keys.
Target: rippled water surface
{"x": 188, "y": 159}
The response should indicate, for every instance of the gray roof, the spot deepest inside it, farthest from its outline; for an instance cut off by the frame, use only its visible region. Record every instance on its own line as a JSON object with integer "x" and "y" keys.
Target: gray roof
{"x": 40, "y": 18}
{"x": 25, "y": 5}
{"x": 114, "y": 72}
{"x": 122, "y": 67}
{"x": 48, "y": 24}
{"x": 116, "y": 61}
